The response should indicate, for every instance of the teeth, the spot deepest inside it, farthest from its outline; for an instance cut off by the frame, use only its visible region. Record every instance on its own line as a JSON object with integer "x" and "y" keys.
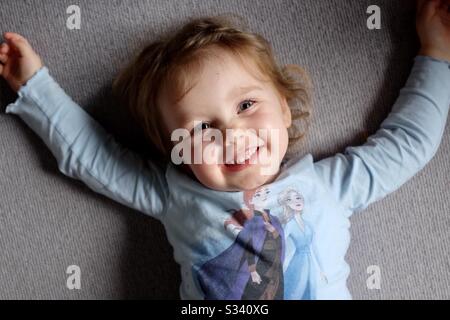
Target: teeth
{"x": 247, "y": 155}
{"x": 251, "y": 152}
{"x": 243, "y": 156}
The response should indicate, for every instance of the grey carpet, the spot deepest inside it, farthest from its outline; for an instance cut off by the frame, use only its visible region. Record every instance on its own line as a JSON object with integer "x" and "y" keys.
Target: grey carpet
{"x": 49, "y": 221}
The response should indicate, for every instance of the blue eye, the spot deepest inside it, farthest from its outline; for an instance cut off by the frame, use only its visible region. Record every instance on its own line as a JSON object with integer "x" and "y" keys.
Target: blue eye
{"x": 246, "y": 103}
{"x": 205, "y": 126}
{"x": 202, "y": 126}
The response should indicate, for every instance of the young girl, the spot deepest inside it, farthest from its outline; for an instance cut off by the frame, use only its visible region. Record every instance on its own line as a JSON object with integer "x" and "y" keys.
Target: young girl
{"x": 239, "y": 233}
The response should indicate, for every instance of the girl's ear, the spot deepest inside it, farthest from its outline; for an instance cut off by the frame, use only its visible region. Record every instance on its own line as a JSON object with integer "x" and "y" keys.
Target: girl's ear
{"x": 286, "y": 111}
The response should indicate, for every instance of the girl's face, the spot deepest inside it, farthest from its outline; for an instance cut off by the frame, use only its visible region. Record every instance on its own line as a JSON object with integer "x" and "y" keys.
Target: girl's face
{"x": 226, "y": 96}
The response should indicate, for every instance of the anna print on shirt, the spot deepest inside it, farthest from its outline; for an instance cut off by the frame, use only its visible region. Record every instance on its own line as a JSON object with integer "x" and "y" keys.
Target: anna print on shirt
{"x": 252, "y": 267}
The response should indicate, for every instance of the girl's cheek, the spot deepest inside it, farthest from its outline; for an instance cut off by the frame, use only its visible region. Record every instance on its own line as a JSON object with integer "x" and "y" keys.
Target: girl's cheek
{"x": 266, "y": 119}
{"x": 197, "y": 145}
{"x": 263, "y": 119}
{"x": 206, "y": 153}
{"x": 213, "y": 153}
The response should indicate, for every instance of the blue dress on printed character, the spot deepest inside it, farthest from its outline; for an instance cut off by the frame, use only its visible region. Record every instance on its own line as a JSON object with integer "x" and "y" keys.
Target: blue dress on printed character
{"x": 298, "y": 264}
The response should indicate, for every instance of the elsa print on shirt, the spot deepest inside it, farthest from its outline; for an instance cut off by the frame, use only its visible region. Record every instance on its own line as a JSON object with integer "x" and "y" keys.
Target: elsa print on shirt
{"x": 300, "y": 257}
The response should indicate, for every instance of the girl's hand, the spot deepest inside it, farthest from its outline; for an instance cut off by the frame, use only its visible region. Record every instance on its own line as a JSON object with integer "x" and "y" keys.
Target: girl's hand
{"x": 433, "y": 28}
{"x": 18, "y": 61}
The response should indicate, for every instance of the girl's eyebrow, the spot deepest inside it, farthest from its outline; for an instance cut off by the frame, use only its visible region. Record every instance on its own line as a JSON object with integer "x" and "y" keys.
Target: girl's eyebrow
{"x": 233, "y": 92}
{"x": 241, "y": 90}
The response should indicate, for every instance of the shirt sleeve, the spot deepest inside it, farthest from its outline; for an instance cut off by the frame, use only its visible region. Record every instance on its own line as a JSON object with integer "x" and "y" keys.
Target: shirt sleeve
{"x": 84, "y": 150}
{"x": 405, "y": 142}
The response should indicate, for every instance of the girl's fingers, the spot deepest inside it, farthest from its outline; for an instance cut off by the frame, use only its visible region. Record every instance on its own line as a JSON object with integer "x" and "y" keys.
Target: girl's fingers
{"x": 4, "y": 48}
{"x": 8, "y": 36}
{"x": 3, "y": 58}
{"x": 428, "y": 8}
{"x": 1, "y": 69}
{"x": 420, "y": 4}
{"x": 19, "y": 43}
{"x": 12, "y": 35}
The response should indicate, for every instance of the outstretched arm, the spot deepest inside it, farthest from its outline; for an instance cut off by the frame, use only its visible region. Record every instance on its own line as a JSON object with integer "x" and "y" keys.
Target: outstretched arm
{"x": 83, "y": 149}
{"x": 410, "y": 136}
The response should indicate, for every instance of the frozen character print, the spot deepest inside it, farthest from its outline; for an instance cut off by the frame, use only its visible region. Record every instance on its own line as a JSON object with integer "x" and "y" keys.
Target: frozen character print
{"x": 252, "y": 267}
{"x": 300, "y": 255}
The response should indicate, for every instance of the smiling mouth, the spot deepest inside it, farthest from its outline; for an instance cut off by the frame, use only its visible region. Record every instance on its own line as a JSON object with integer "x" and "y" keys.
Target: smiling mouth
{"x": 250, "y": 156}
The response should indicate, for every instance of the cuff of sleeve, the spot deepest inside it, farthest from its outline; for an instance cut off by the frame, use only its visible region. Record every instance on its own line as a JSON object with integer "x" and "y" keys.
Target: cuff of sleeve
{"x": 425, "y": 58}
{"x": 430, "y": 78}
{"x": 26, "y": 89}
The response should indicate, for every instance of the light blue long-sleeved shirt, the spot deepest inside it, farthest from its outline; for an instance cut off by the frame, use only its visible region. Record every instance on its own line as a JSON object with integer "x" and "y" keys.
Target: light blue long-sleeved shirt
{"x": 286, "y": 240}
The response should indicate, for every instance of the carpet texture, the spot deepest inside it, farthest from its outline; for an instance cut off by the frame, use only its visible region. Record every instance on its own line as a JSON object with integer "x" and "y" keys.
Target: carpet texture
{"x": 49, "y": 221}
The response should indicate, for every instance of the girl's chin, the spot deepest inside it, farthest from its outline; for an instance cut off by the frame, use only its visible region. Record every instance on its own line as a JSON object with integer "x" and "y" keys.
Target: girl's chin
{"x": 235, "y": 184}
{"x": 251, "y": 181}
